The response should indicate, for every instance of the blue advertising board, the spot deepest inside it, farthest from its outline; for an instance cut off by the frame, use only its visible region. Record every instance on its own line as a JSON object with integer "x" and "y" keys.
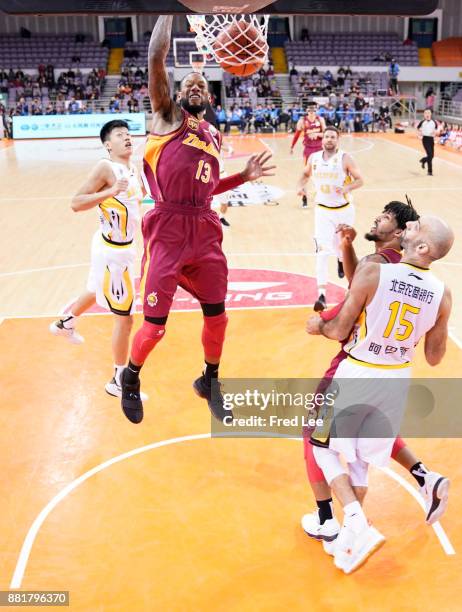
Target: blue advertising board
{"x": 73, "y": 126}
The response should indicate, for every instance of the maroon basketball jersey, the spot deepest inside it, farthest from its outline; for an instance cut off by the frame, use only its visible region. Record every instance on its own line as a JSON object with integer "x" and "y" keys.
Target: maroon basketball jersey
{"x": 183, "y": 167}
{"x": 312, "y": 127}
{"x": 391, "y": 255}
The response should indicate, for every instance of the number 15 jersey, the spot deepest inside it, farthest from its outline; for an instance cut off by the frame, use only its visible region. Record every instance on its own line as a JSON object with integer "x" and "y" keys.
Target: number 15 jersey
{"x": 183, "y": 167}
{"x": 404, "y": 308}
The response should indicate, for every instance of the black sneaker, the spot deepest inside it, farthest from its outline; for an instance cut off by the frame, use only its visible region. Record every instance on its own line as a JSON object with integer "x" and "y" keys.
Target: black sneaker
{"x": 214, "y": 400}
{"x": 340, "y": 270}
{"x": 131, "y": 400}
{"x": 304, "y": 202}
{"x": 224, "y": 222}
{"x": 429, "y": 173}
{"x": 320, "y": 303}
{"x": 422, "y": 162}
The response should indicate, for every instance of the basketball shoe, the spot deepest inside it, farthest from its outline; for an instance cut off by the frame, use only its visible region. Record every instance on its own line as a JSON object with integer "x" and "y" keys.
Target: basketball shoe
{"x": 320, "y": 303}
{"x": 132, "y": 404}
{"x": 115, "y": 389}
{"x": 435, "y": 493}
{"x": 304, "y": 202}
{"x": 59, "y": 328}
{"x": 214, "y": 398}
{"x": 326, "y": 533}
{"x": 352, "y": 548}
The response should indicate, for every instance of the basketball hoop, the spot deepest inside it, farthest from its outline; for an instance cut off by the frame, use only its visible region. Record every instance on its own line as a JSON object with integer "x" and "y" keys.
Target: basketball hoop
{"x": 208, "y": 28}
{"x": 197, "y": 61}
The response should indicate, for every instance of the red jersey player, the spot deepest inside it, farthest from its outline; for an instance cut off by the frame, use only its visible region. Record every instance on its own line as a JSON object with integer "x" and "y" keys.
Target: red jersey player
{"x": 312, "y": 127}
{"x": 182, "y": 235}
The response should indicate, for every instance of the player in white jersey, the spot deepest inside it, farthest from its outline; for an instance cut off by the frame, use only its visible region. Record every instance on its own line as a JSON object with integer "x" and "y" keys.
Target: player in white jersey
{"x": 335, "y": 175}
{"x": 114, "y": 186}
{"x": 394, "y": 307}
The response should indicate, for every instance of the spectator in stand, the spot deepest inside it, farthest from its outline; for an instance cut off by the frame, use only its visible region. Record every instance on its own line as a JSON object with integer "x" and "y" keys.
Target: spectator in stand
{"x": 259, "y": 118}
{"x": 367, "y": 118}
{"x": 284, "y": 118}
{"x": 393, "y": 72}
{"x": 305, "y": 36}
{"x": 384, "y": 117}
{"x": 222, "y": 118}
{"x": 133, "y": 105}
{"x": 235, "y": 118}
{"x": 444, "y": 133}
{"x": 359, "y": 102}
{"x": 328, "y": 76}
{"x": 329, "y": 116}
{"x": 314, "y": 71}
{"x": 247, "y": 115}
{"x": 274, "y": 117}
{"x": 293, "y": 71}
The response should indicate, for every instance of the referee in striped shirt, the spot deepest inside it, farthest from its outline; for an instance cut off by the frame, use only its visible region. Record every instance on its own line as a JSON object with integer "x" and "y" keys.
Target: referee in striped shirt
{"x": 428, "y": 129}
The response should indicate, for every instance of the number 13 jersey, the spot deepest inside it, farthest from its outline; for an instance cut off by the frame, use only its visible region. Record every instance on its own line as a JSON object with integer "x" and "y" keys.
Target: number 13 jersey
{"x": 404, "y": 308}
{"x": 183, "y": 167}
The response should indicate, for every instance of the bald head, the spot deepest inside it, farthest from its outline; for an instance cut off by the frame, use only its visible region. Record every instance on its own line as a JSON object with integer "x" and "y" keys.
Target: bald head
{"x": 430, "y": 238}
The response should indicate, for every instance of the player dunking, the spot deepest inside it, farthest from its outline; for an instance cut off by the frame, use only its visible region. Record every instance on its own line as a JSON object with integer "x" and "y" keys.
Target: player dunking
{"x": 386, "y": 233}
{"x": 312, "y": 127}
{"x": 114, "y": 186}
{"x": 335, "y": 175}
{"x": 392, "y": 308}
{"x": 182, "y": 235}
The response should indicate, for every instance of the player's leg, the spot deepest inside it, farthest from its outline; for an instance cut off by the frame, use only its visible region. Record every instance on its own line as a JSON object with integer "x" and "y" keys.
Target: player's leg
{"x": 345, "y": 216}
{"x": 324, "y": 235}
{"x": 433, "y": 486}
{"x": 431, "y": 153}
{"x": 65, "y": 326}
{"x": 161, "y": 266}
{"x": 320, "y": 524}
{"x": 207, "y": 280}
{"x": 306, "y": 156}
{"x": 357, "y": 539}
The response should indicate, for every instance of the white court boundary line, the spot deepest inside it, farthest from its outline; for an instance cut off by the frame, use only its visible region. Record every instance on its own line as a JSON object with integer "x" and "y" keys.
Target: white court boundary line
{"x": 21, "y": 564}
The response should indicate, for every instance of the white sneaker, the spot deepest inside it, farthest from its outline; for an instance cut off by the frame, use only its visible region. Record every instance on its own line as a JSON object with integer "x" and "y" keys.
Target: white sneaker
{"x": 57, "y": 329}
{"x": 353, "y": 549}
{"x": 435, "y": 493}
{"x": 116, "y": 390}
{"x": 326, "y": 533}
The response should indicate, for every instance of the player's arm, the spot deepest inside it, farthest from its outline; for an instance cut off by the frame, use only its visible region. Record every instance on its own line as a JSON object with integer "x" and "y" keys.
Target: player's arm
{"x": 362, "y": 289}
{"x": 101, "y": 184}
{"x": 256, "y": 168}
{"x": 298, "y": 131}
{"x": 436, "y": 337}
{"x": 419, "y": 129}
{"x": 352, "y": 169}
{"x": 166, "y": 113}
{"x": 302, "y": 181}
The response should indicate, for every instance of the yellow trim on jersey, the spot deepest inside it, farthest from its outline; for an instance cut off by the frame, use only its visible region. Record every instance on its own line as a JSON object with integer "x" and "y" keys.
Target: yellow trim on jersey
{"x": 415, "y": 267}
{"x": 381, "y": 366}
{"x": 116, "y": 307}
{"x": 334, "y": 207}
{"x": 117, "y": 205}
{"x": 154, "y": 146}
{"x": 145, "y": 272}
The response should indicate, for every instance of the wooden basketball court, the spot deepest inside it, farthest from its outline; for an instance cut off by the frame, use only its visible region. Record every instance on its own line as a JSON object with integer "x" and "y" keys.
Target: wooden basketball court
{"x": 159, "y": 516}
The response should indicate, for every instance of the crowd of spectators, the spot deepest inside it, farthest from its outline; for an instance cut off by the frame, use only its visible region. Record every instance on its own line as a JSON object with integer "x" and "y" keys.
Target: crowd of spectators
{"x": 43, "y": 94}
{"x": 451, "y": 135}
{"x": 260, "y": 85}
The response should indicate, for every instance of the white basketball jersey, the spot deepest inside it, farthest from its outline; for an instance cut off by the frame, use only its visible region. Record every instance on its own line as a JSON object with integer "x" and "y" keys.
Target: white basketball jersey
{"x": 404, "y": 307}
{"x": 329, "y": 177}
{"x": 120, "y": 215}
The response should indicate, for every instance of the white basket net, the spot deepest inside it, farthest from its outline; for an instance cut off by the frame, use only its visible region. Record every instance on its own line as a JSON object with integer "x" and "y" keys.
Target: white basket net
{"x": 244, "y": 49}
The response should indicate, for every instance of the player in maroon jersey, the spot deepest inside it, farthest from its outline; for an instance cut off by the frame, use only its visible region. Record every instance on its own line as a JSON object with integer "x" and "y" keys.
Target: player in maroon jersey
{"x": 386, "y": 232}
{"x": 182, "y": 235}
{"x": 313, "y": 128}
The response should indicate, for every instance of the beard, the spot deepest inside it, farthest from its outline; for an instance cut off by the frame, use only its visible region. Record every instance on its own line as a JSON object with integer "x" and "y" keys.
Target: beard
{"x": 371, "y": 237}
{"x": 193, "y": 109}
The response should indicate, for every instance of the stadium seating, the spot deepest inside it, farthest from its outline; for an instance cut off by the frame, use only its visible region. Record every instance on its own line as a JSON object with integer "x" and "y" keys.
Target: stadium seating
{"x": 447, "y": 52}
{"x": 26, "y": 53}
{"x": 351, "y": 50}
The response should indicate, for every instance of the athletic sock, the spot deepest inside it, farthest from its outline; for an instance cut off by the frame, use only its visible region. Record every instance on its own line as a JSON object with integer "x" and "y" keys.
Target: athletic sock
{"x": 325, "y": 510}
{"x": 117, "y": 372}
{"x": 133, "y": 373}
{"x": 211, "y": 371}
{"x": 354, "y": 518}
{"x": 418, "y": 471}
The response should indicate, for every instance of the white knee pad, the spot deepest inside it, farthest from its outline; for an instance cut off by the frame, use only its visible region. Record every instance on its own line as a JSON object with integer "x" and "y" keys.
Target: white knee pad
{"x": 358, "y": 473}
{"x": 329, "y": 462}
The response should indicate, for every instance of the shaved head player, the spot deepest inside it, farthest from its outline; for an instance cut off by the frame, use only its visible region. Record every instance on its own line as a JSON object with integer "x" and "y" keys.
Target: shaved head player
{"x": 182, "y": 235}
